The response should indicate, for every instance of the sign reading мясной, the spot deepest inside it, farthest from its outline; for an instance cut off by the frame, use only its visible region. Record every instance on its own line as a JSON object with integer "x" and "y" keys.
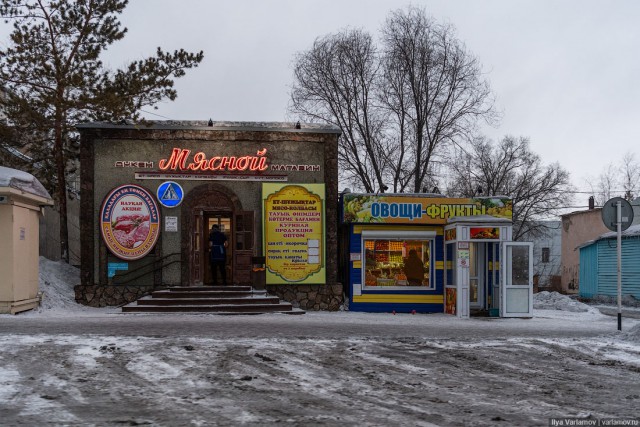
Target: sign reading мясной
{"x": 293, "y": 217}
{"x": 129, "y": 222}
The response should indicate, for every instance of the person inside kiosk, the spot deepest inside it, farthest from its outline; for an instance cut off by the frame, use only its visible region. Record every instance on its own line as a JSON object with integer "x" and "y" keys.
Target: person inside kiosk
{"x": 414, "y": 269}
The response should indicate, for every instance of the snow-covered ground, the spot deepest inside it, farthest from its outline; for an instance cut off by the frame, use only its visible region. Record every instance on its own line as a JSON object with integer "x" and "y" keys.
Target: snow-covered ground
{"x": 331, "y": 369}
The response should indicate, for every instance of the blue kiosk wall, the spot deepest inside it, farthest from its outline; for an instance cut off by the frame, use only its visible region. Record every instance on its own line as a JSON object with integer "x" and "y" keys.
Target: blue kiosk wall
{"x": 378, "y": 299}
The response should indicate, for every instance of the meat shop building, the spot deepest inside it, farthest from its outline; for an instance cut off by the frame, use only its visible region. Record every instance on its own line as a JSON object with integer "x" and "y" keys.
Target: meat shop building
{"x": 150, "y": 194}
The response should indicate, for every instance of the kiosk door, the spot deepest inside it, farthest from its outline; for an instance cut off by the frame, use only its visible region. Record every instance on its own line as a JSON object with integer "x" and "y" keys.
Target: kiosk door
{"x": 516, "y": 286}
{"x": 477, "y": 268}
{"x": 197, "y": 249}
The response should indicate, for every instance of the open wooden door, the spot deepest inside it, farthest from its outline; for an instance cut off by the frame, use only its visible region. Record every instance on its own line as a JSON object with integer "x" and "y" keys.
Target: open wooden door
{"x": 197, "y": 249}
{"x": 243, "y": 241}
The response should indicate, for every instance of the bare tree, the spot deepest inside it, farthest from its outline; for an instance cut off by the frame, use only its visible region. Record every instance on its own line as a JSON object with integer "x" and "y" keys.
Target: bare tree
{"x": 434, "y": 90}
{"x": 510, "y": 168}
{"x": 605, "y": 185}
{"x": 630, "y": 176}
{"x": 396, "y": 105}
{"x": 335, "y": 82}
{"x": 621, "y": 179}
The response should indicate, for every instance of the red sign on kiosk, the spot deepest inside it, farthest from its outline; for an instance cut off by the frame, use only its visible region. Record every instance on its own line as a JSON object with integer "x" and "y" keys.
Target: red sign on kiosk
{"x": 484, "y": 233}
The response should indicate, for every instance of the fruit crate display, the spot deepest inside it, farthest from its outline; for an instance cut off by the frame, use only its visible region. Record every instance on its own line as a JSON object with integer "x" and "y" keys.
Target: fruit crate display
{"x": 384, "y": 251}
{"x": 396, "y": 246}
{"x": 396, "y": 257}
{"x": 382, "y": 245}
{"x": 382, "y": 257}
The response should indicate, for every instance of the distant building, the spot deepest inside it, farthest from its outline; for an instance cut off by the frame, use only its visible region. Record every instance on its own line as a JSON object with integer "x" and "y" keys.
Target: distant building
{"x": 547, "y": 255}
{"x": 577, "y": 228}
{"x": 635, "y": 204}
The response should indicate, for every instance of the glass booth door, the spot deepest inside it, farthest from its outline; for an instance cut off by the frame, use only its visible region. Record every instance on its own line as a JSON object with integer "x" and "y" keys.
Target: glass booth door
{"x": 516, "y": 284}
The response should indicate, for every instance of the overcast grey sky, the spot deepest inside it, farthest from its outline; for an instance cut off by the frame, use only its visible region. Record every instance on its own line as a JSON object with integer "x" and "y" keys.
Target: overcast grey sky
{"x": 565, "y": 73}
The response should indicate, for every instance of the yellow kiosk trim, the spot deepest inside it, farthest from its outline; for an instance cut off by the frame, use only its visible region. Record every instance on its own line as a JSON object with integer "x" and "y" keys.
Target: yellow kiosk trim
{"x": 399, "y": 298}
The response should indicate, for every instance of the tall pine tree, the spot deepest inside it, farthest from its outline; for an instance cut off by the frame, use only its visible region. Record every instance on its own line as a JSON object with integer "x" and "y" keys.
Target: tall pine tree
{"x": 52, "y": 78}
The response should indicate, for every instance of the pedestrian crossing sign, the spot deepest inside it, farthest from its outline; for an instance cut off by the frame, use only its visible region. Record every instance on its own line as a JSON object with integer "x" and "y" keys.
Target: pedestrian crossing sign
{"x": 170, "y": 194}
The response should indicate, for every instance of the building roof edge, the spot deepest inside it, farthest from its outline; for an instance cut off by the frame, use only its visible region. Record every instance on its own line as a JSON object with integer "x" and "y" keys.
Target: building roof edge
{"x": 215, "y": 126}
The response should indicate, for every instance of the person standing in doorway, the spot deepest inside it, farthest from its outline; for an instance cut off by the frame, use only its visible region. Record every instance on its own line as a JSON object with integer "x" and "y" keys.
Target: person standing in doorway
{"x": 218, "y": 254}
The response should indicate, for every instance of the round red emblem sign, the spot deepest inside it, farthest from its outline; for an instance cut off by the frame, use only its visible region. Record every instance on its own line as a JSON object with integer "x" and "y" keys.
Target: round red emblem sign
{"x": 130, "y": 222}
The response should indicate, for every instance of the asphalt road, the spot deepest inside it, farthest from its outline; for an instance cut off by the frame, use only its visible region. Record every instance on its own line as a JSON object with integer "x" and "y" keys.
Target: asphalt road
{"x": 318, "y": 369}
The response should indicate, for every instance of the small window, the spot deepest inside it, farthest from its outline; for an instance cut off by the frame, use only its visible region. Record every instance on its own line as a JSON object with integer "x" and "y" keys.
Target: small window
{"x": 545, "y": 254}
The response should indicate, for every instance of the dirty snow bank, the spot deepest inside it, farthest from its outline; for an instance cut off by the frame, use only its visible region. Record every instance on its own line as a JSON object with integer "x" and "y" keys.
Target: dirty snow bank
{"x": 633, "y": 334}
{"x": 57, "y": 279}
{"x": 555, "y": 301}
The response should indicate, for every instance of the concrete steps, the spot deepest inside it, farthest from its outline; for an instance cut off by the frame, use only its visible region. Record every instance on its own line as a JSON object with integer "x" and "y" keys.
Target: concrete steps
{"x": 210, "y": 299}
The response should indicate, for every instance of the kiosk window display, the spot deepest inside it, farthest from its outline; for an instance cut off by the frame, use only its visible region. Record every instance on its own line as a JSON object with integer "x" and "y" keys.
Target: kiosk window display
{"x": 397, "y": 262}
{"x": 429, "y": 253}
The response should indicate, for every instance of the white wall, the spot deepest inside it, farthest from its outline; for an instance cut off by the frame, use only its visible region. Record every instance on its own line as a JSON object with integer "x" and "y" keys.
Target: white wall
{"x": 635, "y": 203}
{"x": 551, "y": 238}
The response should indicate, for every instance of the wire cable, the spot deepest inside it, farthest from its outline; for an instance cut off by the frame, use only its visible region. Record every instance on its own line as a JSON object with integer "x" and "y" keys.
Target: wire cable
{"x": 154, "y": 114}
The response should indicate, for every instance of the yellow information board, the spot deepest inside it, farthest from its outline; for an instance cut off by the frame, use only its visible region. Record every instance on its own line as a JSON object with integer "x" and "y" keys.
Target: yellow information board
{"x": 293, "y": 233}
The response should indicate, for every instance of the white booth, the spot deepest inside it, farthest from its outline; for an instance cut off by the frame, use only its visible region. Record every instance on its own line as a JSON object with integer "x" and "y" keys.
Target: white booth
{"x": 488, "y": 272}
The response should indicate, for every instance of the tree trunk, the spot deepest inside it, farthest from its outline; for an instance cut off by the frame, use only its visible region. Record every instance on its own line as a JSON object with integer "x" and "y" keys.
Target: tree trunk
{"x": 62, "y": 186}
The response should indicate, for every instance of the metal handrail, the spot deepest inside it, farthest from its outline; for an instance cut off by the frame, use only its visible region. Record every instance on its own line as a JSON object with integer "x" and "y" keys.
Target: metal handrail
{"x": 142, "y": 271}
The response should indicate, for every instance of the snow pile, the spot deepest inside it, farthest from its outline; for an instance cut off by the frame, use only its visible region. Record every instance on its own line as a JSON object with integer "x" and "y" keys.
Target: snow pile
{"x": 633, "y": 334}
{"x": 57, "y": 279}
{"x": 56, "y": 282}
{"x": 555, "y": 301}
